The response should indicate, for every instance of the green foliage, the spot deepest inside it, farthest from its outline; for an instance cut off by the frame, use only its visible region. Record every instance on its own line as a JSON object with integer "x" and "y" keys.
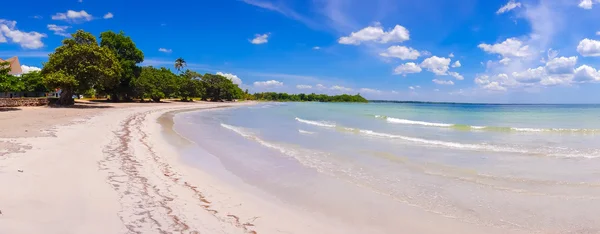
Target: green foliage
{"x": 284, "y": 97}
{"x": 156, "y": 84}
{"x": 190, "y": 85}
{"x": 180, "y": 64}
{"x": 79, "y": 65}
{"x": 33, "y": 82}
{"x": 129, "y": 56}
{"x": 218, "y": 88}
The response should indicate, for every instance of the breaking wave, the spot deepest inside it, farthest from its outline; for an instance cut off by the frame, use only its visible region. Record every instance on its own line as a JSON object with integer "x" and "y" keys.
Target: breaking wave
{"x": 465, "y": 127}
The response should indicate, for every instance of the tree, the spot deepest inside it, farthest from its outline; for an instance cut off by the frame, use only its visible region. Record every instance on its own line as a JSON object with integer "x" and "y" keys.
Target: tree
{"x": 190, "y": 85}
{"x": 219, "y": 88}
{"x": 80, "y": 64}
{"x": 155, "y": 83}
{"x": 180, "y": 64}
{"x": 129, "y": 56}
{"x": 33, "y": 82}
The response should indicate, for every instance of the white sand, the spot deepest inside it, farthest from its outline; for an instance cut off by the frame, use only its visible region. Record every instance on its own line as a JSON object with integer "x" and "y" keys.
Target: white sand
{"x": 110, "y": 170}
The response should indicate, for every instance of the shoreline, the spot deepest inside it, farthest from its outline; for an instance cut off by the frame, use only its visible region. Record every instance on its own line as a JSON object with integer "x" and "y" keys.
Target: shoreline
{"x": 95, "y": 176}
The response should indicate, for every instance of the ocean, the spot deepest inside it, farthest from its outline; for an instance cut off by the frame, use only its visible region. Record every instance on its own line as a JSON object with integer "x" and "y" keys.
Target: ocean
{"x": 517, "y": 168}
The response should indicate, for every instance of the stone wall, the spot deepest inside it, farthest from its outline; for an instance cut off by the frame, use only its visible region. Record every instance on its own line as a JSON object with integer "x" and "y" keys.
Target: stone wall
{"x": 15, "y": 102}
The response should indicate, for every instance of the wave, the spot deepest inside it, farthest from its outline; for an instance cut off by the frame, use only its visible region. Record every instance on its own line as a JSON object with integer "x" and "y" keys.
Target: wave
{"x": 305, "y": 132}
{"x": 555, "y": 152}
{"x": 317, "y": 123}
{"x": 248, "y": 135}
{"x": 465, "y": 127}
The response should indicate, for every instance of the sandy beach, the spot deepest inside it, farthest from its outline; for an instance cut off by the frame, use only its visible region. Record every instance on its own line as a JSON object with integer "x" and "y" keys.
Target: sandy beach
{"x": 116, "y": 168}
{"x": 100, "y": 169}
{"x": 106, "y": 168}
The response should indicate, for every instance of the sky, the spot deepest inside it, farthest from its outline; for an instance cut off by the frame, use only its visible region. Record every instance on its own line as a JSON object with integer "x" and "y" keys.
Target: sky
{"x": 496, "y": 51}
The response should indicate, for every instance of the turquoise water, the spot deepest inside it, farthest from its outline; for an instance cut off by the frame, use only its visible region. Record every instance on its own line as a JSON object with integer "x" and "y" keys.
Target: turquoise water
{"x": 531, "y": 168}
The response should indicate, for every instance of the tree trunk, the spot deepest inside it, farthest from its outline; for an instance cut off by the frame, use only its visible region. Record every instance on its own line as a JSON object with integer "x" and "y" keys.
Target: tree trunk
{"x": 66, "y": 98}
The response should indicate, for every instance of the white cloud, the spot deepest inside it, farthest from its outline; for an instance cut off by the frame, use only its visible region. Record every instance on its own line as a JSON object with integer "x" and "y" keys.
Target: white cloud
{"x": 376, "y": 34}
{"x": 401, "y": 52}
{"x": 456, "y": 64}
{"x": 511, "y": 47}
{"x": 316, "y": 48}
{"x": 589, "y": 48}
{"x": 443, "y": 82}
{"x": 27, "y": 69}
{"x": 414, "y": 87}
{"x": 236, "y": 80}
{"x": 531, "y": 75}
{"x": 341, "y": 88}
{"x": 164, "y": 50}
{"x": 451, "y": 55}
{"x": 367, "y": 90}
{"x": 407, "y": 68}
{"x": 456, "y": 75}
{"x": 586, "y": 4}
{"x": 303, "y": 87}
{"x": 505, "y": 61}
{"x": 437, "y": 65}
{"x": 508, "y": 7}
{"x": 268, "y": 84}
{"x": 586, "y": 73}
{"x": 73, "y": 16}
{"x": 260, "y": 39}
{"x": 561, "y": 65}
{"x": 320, "y": 86}
{"x": 28, "y": 40}
{"x": 437, "y": 90}
{"x": 598, "y": 33}
{"x": 108, "y": 16}
{"x": 59, "y": 30}
{"x": 494, "y": 86}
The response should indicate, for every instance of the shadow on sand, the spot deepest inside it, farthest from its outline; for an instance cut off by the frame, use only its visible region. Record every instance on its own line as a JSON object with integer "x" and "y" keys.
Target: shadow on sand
{"x": 3, "y": 109}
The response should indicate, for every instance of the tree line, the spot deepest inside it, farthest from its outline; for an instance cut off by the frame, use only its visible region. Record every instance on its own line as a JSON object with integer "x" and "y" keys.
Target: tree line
{"x": 285, "y": 97}
{"x": 82, "y": 66}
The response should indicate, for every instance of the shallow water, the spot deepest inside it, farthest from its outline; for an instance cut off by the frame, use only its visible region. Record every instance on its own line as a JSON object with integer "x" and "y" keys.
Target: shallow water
{"x": 528, "y": 168}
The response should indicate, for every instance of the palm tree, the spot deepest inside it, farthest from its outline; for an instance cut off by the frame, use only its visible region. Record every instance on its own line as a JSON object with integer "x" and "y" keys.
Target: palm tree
{"x": 179, "y": 64}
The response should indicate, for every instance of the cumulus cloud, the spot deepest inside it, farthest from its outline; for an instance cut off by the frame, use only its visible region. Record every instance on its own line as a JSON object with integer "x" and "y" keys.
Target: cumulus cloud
{"x": 372, "y": 91}
{"x": 443, "y": 82}
{"x": 59, "y": 30}
{"x": 376, "y": 34}
{"x": 589, "y": 48}
{"x": 508, "y": 7}
{"x": 303, "y": 87}
{"x": 511, "y": 47}
{"x": 451, "y": 55}
{"x": 164, "y": 50}
{"x": 586, "y": 73}
{"x": 27, "y": 69}
{"x": 456, "y": 64}
{"x": 494, "y": 86}
{"x": 236, "y": 80}
{"x": 316, "y": 48}
{"x": 73, "y": 16}
{"x": 456, "y": 75}
{"x": 260, "y": 39}
{"x": 586, "y": 4}
{"x": 401, "y": 52}
{"x": 407, "y": 68}
{"x": 320, "y": 86}
{"x": 27, "y": 40}
{"x": 268, "y": 84}
{"x": 437, "y": 65}
{"x": 341, "y": 88}
{"x": 108, "y": 16}
{"x": 561, "y": 65}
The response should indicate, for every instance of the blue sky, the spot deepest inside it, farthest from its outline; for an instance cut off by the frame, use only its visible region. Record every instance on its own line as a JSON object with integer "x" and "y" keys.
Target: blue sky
{"x": 519, "y": 51}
